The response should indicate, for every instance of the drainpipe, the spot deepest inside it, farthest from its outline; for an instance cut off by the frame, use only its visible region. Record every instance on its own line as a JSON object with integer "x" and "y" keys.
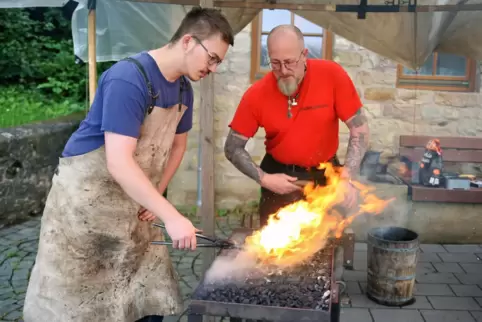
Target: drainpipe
{"x": 199, "y": 170}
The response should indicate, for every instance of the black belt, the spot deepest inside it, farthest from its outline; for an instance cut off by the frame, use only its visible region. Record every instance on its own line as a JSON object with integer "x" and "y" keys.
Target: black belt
{"x": 271, "y": 165}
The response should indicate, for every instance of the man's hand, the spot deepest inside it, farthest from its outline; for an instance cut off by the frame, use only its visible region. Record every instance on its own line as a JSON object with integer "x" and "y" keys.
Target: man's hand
{"x": 349, "y": 194}
{"x": 182, "y": 232}
{"x": 280, "y": 183}
{"x": 145, "y": 215}
{"x": 180, "y": 229}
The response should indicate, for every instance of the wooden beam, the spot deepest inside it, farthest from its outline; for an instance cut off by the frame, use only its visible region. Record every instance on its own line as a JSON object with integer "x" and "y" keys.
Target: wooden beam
{"x": 206, "y": 129}
{"x": 91, "y": 34}
{"x": 388, "y": 8}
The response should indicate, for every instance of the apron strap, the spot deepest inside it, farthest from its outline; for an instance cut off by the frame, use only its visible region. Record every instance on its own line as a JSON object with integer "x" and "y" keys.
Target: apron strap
{"x": 148, "y": 82}
{"x": 153, "y": 97}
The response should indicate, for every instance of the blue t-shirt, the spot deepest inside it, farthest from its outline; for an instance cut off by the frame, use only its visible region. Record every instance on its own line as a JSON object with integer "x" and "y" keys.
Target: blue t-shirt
{"x": 121, "y": 103}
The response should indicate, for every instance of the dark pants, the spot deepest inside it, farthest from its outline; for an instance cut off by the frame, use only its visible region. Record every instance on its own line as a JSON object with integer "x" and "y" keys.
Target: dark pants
{"x": 271, "y": 202}
{"x": 151, "y": 318}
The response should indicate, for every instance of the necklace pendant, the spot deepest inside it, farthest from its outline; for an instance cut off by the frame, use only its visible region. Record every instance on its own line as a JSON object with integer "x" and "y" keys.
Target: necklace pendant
{"x": 289, "y": 113}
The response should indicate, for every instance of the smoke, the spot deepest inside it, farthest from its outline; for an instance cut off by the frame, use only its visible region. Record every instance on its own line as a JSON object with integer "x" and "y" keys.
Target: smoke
{"x": 232, "y": 268}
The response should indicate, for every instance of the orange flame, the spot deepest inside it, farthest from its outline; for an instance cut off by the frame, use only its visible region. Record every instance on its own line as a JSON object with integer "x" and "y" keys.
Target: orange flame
{"x": 301, "y": 229}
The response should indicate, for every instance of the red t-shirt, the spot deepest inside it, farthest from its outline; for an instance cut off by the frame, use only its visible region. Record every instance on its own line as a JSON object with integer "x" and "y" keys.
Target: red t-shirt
{"x": 310, "y": 136}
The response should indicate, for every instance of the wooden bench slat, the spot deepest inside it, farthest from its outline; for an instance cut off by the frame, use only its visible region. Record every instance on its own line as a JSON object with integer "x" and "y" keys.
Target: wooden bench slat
{"x": 415, "y": 154}
{"x": 470, "y": 143}
{"x": 420, "y": 193}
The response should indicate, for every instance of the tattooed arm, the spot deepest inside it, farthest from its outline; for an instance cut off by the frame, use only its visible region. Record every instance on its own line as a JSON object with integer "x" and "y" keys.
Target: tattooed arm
{"x": 235, "y": 151}
{"x": 357, "y": 143}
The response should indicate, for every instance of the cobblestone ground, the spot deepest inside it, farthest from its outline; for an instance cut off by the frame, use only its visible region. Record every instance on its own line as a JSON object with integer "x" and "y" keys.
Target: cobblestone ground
{"x": 448, "y": 283}
{"x": 17, "y": 256}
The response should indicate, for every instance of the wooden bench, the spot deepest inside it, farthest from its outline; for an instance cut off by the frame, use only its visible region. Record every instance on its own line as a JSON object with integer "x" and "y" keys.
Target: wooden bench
{"x": 456, "y": 150}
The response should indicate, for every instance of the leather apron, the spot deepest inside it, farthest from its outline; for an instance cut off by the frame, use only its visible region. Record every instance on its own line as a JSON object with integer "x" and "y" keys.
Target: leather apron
{"x": 95, "y": 261}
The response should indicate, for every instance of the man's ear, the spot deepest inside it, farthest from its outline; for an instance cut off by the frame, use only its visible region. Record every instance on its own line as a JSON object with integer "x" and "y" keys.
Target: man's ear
{"x": 186, "y": 41}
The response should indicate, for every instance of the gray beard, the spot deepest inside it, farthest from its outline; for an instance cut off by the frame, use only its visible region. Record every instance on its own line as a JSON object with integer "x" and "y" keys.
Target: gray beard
{"x": 287, "y": 88}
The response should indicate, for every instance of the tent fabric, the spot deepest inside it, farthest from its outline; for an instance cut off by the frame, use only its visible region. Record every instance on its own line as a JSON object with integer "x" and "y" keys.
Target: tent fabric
{"x": 126, "y": 27}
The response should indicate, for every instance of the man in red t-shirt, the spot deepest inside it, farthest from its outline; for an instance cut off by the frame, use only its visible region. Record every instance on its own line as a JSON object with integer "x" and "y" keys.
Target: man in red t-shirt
{"x": 299, "y": 104}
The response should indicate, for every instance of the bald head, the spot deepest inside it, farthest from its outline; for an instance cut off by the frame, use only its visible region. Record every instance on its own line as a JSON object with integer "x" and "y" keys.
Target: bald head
{"x": 287, "y": 55}
{"x": 286, "y": 33}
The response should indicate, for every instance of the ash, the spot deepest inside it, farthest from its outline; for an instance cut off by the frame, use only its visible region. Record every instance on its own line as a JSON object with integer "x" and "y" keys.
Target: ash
{"x": 306, "y": 285}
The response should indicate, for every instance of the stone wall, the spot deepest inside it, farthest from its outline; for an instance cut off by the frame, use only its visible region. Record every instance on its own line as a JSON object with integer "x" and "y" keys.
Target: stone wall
{"x": 391, "y": 112}
{"x": 232, "y": 188}
{"x": 28, "y": 157}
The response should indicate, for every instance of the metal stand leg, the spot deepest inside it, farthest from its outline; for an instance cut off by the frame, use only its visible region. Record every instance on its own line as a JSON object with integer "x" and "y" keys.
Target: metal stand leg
{"x": 335, "y": 312}
{"x": 348, "y": 248}
{"x": 194, "y": 318}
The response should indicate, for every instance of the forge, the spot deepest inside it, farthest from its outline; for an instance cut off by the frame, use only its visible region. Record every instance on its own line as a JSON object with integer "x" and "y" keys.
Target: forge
{"x": 308, "y": 291}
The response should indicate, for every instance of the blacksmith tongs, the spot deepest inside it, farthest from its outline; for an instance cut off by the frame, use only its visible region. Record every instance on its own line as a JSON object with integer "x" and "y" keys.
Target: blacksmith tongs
{"x": 214, "y": 242}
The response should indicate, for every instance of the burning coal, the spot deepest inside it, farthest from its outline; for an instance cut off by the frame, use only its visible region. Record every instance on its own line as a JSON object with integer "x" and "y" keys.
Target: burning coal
{"x": 299, "y": 230}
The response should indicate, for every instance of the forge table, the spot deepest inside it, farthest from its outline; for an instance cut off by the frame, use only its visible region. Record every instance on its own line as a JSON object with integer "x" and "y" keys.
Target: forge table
{"x": 337, "y": 252}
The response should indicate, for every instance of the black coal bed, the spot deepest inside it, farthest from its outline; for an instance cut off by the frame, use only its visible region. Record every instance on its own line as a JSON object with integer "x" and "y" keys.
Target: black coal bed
{"x": 307, "y": 292}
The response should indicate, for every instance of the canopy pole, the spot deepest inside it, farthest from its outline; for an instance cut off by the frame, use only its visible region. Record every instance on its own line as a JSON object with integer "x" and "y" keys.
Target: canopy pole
{"x": 91, "y": 34}
{"x": 206, "y": 131}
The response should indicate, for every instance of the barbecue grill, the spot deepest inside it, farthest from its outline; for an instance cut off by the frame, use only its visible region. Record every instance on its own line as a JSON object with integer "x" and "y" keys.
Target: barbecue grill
{"x": 312, "y": 295}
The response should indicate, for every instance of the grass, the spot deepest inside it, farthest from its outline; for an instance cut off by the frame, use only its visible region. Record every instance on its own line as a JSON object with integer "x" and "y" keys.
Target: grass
{"x": 19, "y": 106}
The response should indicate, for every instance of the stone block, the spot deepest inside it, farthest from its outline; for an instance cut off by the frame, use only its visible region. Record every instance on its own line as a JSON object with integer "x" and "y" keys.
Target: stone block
{"x": 433, "y": 289}
{"x": 354, "y": 314}
{"x": 471, "y": 267}
{"x": 443, "y": 278}
{"x": 432, "y": 248}
{"x": 477, "y": 315}
{"x": 28, "y": 157}
{"x": 436, "y": 224}
{"x": 361, "y": 247}
{"x": 459, "y": 258}
{"x": 448, "y": 268}
{"x": 446, "y": 316}
{"x": 472, "y": 278}
{"x": 452, "y": 99}
{"x": 425, "y": 268}
{"x": 380, "y": 93}
{"x": 348, "y": 58}
{"x": 429, "y": 257}
{"x": 463, "y": 248}
{"x": 452, "y": 302}
{"x": 401, "y": 111}
{"x": 466, "y": 290}
{"x": 421, "y": 302}
{"x": 393, "y": 315}
{"x": 352, "y": 288}
{"x": 362, "y": 301}
{"x": 355, "y": 276}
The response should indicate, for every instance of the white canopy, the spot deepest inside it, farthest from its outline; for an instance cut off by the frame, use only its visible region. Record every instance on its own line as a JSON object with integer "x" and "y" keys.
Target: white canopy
{"x": 125, "y": 27}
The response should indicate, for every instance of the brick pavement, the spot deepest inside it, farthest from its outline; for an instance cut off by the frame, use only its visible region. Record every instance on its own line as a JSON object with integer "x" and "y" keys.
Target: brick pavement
{"x": 448, "y": 289}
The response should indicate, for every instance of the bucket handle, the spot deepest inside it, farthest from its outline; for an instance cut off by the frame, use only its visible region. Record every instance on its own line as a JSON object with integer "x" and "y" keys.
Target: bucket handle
{"x": 343, "y": 288}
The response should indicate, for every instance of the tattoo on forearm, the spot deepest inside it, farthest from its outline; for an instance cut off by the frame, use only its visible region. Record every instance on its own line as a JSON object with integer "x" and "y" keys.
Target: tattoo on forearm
{"x": 235, "y": 151}
{"x": 357, "y": 143}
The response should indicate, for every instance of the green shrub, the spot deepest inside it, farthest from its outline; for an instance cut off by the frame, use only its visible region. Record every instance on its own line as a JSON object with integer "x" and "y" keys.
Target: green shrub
{"x": 20, "y": 105}
{"x": 39, "y": 77}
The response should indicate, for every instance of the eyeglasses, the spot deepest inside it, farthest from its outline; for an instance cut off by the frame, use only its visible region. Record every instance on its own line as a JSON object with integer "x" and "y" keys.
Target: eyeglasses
{"x": 213, "y": 58}
{"x": 290, "y": 64}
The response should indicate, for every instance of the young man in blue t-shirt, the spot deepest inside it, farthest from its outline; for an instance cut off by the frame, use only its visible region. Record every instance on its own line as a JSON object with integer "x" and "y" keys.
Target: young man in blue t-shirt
{"x": 95, "y": 260}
